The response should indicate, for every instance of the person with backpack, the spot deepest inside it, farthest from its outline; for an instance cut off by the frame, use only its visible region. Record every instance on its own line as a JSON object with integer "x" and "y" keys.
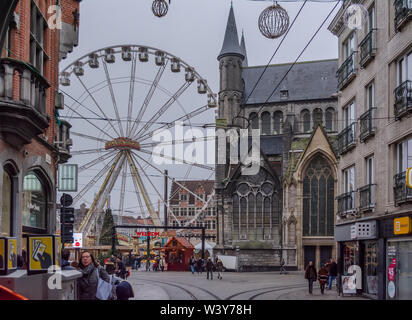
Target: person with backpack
{"x": 323, "y": 277}
{"x": 91, "y": 272}
{"x": 121, "y": 290}
{"x": 120, "y": 268}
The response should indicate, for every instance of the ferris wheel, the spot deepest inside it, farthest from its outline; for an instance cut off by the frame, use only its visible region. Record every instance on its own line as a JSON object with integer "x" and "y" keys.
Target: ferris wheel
{"x": 117, "y": 100}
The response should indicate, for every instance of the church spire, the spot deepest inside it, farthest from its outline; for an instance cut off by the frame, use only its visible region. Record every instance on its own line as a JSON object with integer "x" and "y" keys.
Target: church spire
{"x": 231, "y": 41}
{"x": 243, "y": 49}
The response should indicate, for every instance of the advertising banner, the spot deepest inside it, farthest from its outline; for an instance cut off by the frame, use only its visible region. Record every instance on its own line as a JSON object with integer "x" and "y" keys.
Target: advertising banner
{"x": 2, "y": 255}
{"x": 349, "y": 284}
{"x": 8, "y": 255}
{"x": 40, "y": 253}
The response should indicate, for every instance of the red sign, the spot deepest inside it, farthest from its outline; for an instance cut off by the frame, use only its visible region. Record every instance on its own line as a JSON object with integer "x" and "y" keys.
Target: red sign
{"x": 394, "y": 261}
{"x": 391, "y": 272}
{"x": 150, "y": 234}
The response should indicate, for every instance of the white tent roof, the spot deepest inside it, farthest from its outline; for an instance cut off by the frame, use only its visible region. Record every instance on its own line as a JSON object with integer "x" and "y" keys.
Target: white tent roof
{"x": 208, "y": 245}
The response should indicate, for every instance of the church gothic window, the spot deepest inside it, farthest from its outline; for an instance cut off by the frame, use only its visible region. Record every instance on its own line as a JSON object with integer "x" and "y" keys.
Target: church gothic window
{"x": 330, "y": 117}
{"x": 277, "y": 120}
{"x": 266, "y": 123}
{"x": 305, "y": 121}
{"x": 317, "y": 117}
{"x": 318, "y": 198}
{"x": 256, "y": 209}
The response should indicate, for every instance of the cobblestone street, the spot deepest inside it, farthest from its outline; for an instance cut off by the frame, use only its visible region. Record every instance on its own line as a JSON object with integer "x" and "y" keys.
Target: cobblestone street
{"x": 234, "y": 286}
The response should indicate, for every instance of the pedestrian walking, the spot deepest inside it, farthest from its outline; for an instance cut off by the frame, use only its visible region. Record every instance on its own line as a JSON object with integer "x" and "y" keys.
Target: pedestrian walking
{"x": 323, "y": 277}
{"x": 219, "y": 268}
{"x": 333, "y": 272}
{"x": 192, "y": 263}
{"x": 162, "y": 263}
{"x": 120, "y": 268}
{"x": 199, "y": 265}
{"x": 282, "y": 267}
{"x": 310, "y": 275}
{"x": 91, "y": 272}
{"x": 209, "y": 268}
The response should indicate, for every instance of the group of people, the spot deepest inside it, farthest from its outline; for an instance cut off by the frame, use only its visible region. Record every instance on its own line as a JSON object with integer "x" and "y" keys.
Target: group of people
{"x": 206, "y": 265}
{"x": 326, "y": 275}
{"x": 114, "y": 272}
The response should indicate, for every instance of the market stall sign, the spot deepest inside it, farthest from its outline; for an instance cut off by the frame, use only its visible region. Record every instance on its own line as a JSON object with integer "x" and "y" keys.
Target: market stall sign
{"x": 402, "y": 226}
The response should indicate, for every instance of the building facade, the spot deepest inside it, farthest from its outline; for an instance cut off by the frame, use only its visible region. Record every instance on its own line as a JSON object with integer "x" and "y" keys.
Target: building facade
{"x": 184, "y": 207}
{"x": 286, "y": 211}
{"x": 31, "y": 140}
{"x": 375, "y": 147}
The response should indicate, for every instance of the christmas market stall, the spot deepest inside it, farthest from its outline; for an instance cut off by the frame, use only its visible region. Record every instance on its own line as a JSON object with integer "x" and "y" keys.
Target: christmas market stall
{"x": 178, "y": 252}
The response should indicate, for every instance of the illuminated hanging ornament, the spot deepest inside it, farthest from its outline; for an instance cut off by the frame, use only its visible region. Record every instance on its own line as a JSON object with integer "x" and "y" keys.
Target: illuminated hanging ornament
{"x": 160, "y": 8}
{"x": 273, "y": 21}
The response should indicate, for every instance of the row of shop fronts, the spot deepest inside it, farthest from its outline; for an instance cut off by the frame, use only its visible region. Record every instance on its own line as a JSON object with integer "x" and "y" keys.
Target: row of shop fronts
{"x": 383, "y": 251}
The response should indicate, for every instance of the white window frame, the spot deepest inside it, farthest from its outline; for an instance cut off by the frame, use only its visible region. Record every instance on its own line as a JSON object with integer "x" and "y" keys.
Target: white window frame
{"x": 404, "y": 155}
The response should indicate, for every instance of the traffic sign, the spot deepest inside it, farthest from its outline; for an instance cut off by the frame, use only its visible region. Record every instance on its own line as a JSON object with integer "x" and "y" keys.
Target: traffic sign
{"x": 66, "y": 200}
{"x": 409, "y": 178}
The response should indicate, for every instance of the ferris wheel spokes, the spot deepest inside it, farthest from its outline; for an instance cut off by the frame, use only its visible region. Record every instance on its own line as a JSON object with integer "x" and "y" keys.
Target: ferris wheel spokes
{"x": 95, "y": 161}
{"x": 106, "y": 71}
{"x": 172, "y": 123}
{"x": 97, "y": 105}
{"x": 173, "y": 142}
{"x": 148, "y": 98}
{"x": 86, "y": 136}
{"x": 102, "y": 188}
{"x": 122, "y": 191}
{"x": 131, "y": 94}
{"x": 164, "y": 108}
{"x": 91, "y": 183}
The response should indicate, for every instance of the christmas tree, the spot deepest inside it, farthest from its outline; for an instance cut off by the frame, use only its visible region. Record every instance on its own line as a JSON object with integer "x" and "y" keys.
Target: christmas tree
{"x": 107, "y": 229}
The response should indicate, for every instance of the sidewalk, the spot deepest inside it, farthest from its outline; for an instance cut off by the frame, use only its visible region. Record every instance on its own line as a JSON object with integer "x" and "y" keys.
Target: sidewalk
{"x": 303, "y": 294}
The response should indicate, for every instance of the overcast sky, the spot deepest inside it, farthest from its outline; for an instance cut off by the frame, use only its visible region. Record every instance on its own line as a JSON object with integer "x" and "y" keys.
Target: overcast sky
{"x": 192, "y": 30}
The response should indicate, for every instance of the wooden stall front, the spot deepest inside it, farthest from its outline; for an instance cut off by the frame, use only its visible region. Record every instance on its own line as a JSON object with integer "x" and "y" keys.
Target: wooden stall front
{"x": 178, "y": 252}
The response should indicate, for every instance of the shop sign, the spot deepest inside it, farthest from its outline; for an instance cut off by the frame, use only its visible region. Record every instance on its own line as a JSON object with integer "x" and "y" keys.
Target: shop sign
{"x": 409, "y": 178}
{"x": 349, "y": 284}
{"x": 394, "y": 261}
{"x": 391, "y": 272}
{"x": 402, "y": 226}
{"x": 391, "y": 289}
{"x": 68, "y": 177}
{"x": 42, "y": 253}
{"x": 8, "y": 255}
{"x": 77, "y": 240}
{"x": 391, "y": 251}
{"x": 353, "y": 232}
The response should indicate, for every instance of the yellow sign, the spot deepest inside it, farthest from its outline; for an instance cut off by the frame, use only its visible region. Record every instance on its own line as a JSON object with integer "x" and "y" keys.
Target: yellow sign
{"x": 221, "y": 123}
{"x": 57, "y": 250}
{"x": 40, "y": 253}
{"x": 402, "y": 226}
{"x": 2, "y": 254}
{"x": 12, "y": 254}
{"x": 409, "y": 178}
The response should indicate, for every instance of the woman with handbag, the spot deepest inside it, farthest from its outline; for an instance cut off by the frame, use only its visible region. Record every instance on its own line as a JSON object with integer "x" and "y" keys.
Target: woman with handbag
{"x": 311, "y": 275}
{"x": 92, "y": 272}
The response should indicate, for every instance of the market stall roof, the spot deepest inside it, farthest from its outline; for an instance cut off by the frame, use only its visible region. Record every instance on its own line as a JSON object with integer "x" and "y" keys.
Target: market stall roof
{"x": 208, "y": 245}
{"x": 183, "y": 242}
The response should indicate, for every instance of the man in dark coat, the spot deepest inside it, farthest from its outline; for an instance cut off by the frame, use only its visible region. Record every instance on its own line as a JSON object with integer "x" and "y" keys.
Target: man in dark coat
{"x": 311, "y": 275}
{"x": 121, "y": 268}
{"x": 333, "y": 272}
{"x": 209, "y": 268}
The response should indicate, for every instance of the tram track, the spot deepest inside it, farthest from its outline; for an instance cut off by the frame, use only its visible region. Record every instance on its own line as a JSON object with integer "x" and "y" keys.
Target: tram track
{"x": 184, "y": 289}
{"x": 272, "y": 289}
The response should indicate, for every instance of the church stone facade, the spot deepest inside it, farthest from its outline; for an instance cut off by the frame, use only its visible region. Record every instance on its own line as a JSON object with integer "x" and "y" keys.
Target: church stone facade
{"x": 286, "y": 211}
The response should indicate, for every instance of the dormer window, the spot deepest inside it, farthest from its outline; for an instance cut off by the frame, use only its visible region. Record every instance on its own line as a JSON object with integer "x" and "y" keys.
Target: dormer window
{"x": 284, "y": 94}
{"x": 183, "y": 197}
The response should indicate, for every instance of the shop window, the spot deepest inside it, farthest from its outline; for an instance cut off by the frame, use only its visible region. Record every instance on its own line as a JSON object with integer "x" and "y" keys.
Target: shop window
{"x": 370, "y": 271}
{"x": 6, "y": 213}
{"x": 318, "y": 198}
{"x": 350, "y": 255}
{"x": 34, "y": 203}
{"x": 402, "y": 284}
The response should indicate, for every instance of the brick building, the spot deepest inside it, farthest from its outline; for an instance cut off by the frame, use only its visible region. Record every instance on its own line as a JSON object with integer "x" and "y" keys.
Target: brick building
{"x": 31, "y": 140}
{"x": 185, "y": 206}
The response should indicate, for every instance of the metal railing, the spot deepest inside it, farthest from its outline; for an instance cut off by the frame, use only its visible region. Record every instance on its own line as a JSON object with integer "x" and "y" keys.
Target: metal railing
{"x": 401, "y": 192}
{"x": 403, "y": 99}
{"x": 367, "y": 197}
{"x": 346, "y": 139}
{"x": 403, "y": 11}
{"x": 367, "y": 124}
{"x": 347, "y": 70}
{"x": 346, "y": 202}
{"x": 368, "y": 47}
